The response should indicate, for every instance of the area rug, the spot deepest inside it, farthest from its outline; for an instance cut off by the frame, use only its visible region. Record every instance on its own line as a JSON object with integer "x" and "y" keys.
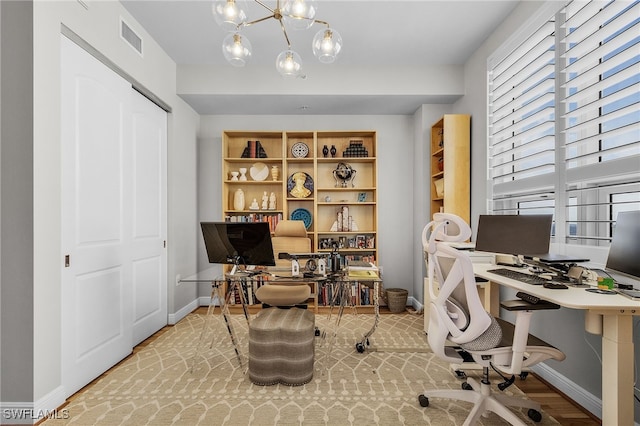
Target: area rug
{"x": 165, "y": 384}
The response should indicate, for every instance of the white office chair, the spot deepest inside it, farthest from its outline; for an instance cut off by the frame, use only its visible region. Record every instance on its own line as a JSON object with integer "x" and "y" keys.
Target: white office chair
{"x": 457, "y": 315}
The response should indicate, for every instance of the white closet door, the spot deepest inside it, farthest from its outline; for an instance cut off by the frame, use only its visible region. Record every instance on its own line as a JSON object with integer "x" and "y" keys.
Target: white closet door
{"x": 149, "y": 143}
{"x": 96, "y": 284}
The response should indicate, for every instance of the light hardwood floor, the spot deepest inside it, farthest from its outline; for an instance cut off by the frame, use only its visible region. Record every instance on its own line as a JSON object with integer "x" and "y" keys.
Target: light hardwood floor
{"x": 553, "y": 402}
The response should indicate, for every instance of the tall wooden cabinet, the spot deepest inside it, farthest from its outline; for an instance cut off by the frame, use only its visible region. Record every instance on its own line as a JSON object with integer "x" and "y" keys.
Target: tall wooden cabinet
{"x": 298, "y": 174}
{"x": 451, "y": 165}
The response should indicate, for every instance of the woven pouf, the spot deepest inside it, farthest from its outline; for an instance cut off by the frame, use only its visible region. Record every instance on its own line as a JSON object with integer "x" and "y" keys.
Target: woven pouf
{"x": 281, "y": 346}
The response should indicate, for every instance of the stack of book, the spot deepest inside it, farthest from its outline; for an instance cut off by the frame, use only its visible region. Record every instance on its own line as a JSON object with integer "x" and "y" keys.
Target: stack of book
{"x": 254, "y": 149}
{"x": 362, "y": 271}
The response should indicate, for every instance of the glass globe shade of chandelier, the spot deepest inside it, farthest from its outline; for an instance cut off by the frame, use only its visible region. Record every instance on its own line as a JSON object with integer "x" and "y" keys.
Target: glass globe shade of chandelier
{"x": 326, "y": 45}
{"x": 229, "y": 13}
{"x": 289, "y": 64}
{"x": 299, "y": 14}
{"x": 236, "y": 49}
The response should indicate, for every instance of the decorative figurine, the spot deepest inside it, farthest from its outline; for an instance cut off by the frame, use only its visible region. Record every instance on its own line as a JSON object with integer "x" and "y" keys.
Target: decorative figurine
{"x": 254, "y": 205}
{"x": 265, "y": 200}
{"x": 333, "y": 151}
{"x": 325, "y": 151}
{"x": 272, "y": 201}
{"x": 344, "y": 174}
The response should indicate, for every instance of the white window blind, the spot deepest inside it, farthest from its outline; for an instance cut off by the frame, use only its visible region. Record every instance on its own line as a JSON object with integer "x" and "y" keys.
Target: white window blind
{"x": 564, "y": 120}
{"x": 600, "y": 115}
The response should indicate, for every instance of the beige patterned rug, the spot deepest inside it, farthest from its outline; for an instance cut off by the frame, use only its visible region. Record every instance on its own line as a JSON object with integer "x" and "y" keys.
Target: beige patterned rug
{"x": 156, "y": 386}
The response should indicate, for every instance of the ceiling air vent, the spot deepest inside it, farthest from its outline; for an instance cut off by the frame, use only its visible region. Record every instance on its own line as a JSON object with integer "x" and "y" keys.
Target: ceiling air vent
{"x": 130, "y": 37}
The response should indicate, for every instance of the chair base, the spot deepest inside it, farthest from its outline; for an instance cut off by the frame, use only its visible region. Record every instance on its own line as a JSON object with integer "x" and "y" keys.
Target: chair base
{"x": 484, "y": 400}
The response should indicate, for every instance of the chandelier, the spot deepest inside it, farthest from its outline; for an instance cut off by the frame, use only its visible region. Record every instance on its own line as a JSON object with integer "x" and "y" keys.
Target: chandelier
{"x": 298, "y": 14}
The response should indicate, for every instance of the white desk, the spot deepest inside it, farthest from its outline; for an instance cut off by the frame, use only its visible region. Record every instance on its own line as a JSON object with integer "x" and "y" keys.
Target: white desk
{"x": 617, "y": 314}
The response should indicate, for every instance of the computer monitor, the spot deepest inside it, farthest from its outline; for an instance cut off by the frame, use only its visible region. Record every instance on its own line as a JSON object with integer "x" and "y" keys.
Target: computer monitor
{"x": 624, "y": 252}
{"x": 238, "y": 243}
{"x": 514, "y": 234}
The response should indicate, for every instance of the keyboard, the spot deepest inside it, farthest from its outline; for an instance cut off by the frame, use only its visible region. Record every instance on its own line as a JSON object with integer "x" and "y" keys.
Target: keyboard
{"x": 519, "y": 276}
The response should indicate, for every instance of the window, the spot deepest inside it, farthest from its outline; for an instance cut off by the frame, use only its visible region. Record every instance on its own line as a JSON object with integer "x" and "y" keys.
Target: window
{"x": 564, "y": 120}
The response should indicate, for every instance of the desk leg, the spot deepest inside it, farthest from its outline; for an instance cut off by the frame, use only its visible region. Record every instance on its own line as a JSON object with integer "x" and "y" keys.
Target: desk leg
{"x": 490, "y": 295}
{"x": 364, "y": 343}
{"x": 617, "y": 370}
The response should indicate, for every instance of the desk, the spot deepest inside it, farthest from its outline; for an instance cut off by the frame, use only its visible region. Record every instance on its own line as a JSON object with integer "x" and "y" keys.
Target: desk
{"x": 617, "y": 314}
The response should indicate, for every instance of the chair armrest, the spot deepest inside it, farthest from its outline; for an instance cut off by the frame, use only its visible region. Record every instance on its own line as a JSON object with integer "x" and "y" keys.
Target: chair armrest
{"x": 523, "y": 305}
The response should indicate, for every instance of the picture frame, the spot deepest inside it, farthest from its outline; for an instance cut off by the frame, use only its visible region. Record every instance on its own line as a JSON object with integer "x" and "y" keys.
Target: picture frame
{"x": 362, "y": 197}
{"x": 360, "y": 242}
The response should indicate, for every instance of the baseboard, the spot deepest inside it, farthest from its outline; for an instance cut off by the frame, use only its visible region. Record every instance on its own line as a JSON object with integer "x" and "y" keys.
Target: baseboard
{"x": 577, "y": 393}
{"x": 415, "y": 304}
{"x": 183, "y": 312}
{"x": 29, "y": 413}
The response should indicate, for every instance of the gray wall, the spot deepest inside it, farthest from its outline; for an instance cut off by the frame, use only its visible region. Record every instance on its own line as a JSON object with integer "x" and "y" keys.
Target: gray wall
{"x": 395, "y": 178}
{"x": 16, "y": 198}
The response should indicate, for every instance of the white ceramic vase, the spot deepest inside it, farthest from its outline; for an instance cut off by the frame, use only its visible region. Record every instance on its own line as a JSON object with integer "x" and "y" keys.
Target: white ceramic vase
{"x": 238, "y": 199}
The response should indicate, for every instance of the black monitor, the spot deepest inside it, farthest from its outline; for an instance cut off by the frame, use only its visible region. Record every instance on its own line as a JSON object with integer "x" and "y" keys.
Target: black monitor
{"x": 514, "y": 234}
{"x": 238, "y": 243}
{"x": 624, "y": 253}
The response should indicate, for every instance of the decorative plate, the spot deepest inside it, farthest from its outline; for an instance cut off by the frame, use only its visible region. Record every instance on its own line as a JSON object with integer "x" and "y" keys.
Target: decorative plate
{"x": 299, "y": 150}
{"x": 302, "y": 214}
{"x": 300, "y": 185}
{"x": 259, "y": 171}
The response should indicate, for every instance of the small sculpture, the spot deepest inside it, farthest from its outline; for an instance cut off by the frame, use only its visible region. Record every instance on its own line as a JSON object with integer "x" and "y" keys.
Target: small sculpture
{"x": 299, "y": 190}
{"x": 265, "y": 200}
{"x": 344, "y": 174}
{"x": 243, "y": 173}
{"x": 254, "y": 205}
{"x": 272, "y": 201}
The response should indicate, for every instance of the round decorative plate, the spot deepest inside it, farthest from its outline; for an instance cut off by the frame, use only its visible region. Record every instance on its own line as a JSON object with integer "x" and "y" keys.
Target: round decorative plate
{"x": 302, "y": 214}
{"x": 300, "y": 185}
{"x": 259, "y": 171}
{"x": 299, "y": 150}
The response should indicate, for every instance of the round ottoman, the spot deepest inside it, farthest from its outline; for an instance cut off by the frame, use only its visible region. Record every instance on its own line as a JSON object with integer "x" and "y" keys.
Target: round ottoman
{"x": 281, "y": 346}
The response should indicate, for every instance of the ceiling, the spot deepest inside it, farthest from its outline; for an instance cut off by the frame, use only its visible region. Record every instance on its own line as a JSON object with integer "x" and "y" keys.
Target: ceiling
{"x": 376, "y": 33}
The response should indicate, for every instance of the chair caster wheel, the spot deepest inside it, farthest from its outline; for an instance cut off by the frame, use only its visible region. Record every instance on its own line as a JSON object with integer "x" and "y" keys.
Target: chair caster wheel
{"x": 466, "y": 386}
{"x": 423, "y": 400}
{"x": 317, "y": 332}
{"x": 523, "y": 375}
{"x": 534, "y": 415}
{"x": 359, "y": 347}
{"x": 461, "y": 374}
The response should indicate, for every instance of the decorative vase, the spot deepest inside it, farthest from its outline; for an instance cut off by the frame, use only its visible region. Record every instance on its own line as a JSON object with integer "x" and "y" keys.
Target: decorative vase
{"x": 325, "y": 151}
{"x": 238, "y": 200}
{"x": 333, "y": 150}
{"x": 243, "y": 173}
{"x": 274, "y": 173}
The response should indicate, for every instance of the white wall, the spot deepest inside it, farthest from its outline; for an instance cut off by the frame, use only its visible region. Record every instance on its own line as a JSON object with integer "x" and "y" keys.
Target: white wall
{"x": 395, "y": 178}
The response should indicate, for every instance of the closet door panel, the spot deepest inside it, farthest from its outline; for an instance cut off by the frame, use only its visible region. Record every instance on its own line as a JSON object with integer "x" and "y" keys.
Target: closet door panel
{"x": 149, "y": 144}
{"x": 96, "y": 275}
